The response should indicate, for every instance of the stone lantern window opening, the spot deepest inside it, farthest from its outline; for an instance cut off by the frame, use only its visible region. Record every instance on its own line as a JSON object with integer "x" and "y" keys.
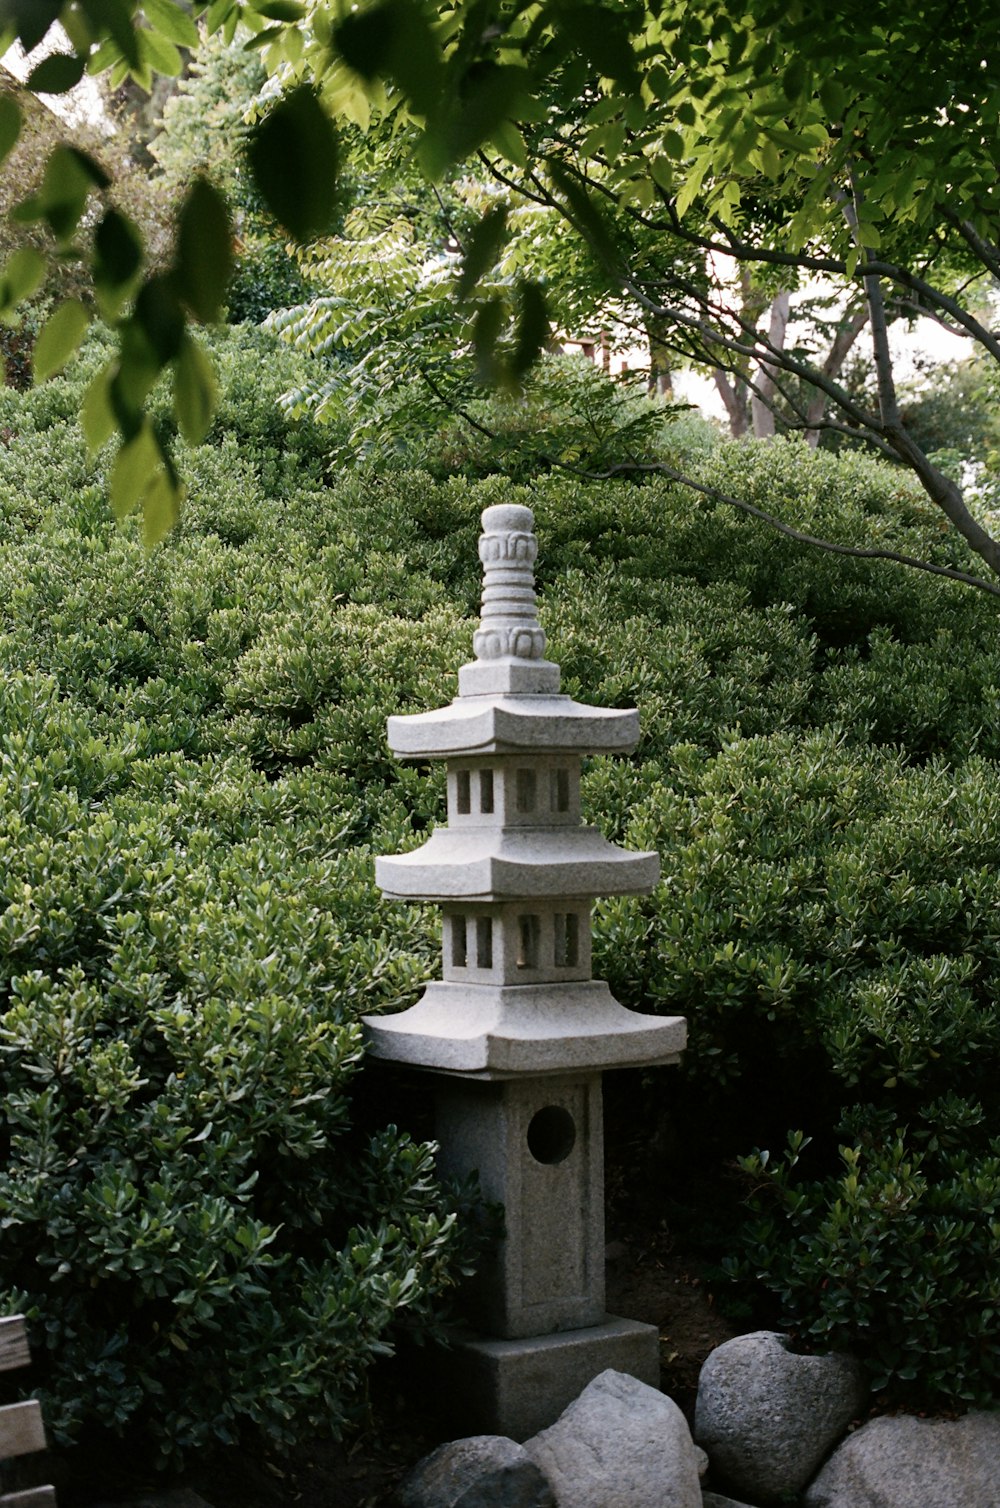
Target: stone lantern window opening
{"x": 551, "y": 1135}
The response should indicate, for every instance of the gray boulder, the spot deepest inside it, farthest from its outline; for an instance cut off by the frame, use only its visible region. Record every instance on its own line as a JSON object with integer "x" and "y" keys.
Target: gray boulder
{"x": 716, "y": 1500}
{"x": 622, "y": 1444}
{"x": 484, "y": 1471}
{"x": 902, "y": 1461}
{"x": 768, "y": 1417}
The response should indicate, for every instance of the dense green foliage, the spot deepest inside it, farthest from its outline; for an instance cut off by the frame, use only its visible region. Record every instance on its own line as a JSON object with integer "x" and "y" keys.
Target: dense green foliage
{"x": 200, "y": 1230}
{"x": 195, "y": 780}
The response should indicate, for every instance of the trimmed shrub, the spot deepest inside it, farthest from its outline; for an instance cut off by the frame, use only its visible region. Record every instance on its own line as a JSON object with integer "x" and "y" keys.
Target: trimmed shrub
{"x": 194, "y": 780}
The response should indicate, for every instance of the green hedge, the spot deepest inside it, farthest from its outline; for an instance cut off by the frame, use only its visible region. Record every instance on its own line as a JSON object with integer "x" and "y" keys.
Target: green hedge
{"x": 194, "y": 782}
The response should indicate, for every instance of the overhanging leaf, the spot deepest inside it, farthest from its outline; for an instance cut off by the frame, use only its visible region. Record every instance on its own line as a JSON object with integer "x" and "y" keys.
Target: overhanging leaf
{"x": 135, "y": 465}
{"x": 492, "y": 97}
{"x": 159, "y": 316}
{"x": 97, "y": 415}
{"x": 394, "y": 40}
{"x": 204, "y": 259}
{"x": 171, "y": 22}
{"x": 114, "y": 17}
{"x": 23, "y": 273}
{"x": 585, "y": 213}
{"x": 56, "y": 73}
{"x": 161, "y": 507}
{"x": 10, "y": 125}
{"x": 31, "y": 18}
{"x": 481, "y": 249}
{"x": 294, "y": 160}
{"x": 58, "y": 338}
{"x": 195, "y": 392}
{"x": 532, "y": 329}
{"x": 70, "y": 176}
{"x": 280, "y": 10}
{"x": 485, "y": 333}
{"x": 117, "y": 259}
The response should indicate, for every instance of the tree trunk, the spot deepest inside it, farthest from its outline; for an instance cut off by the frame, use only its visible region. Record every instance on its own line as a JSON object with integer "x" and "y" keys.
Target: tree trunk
{"x": 762, "y": 399}
{"x": 736, "y": 403}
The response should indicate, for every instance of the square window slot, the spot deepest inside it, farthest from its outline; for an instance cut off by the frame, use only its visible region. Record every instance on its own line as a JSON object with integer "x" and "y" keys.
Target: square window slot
{"x": 528, "y": 936}
{"x": 459, "y": 942}
{"x": 463, "y": 792}
{"x": 484, "y": 942}
{"x": 526, "y": 790}
{"x": 486, "y": 791}
{"x": 559, "y": 790}
{"x": 566, "y": 939}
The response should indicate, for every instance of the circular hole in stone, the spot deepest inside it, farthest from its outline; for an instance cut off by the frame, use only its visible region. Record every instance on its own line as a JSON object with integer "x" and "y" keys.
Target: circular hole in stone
{"x": 551, "y": 1134}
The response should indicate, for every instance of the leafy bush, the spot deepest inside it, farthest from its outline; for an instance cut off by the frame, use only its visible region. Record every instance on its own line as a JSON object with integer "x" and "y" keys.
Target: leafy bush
{"x": 193, "y": 783}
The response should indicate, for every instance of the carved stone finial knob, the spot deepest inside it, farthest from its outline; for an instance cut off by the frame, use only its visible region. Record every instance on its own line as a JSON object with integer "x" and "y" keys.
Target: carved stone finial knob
{"x": 509, "y": 622}
{"x": 509, "y": 639}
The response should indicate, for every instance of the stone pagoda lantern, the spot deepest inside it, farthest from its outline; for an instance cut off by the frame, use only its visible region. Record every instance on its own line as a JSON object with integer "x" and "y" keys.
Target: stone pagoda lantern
{"x": 516, "y": 1034}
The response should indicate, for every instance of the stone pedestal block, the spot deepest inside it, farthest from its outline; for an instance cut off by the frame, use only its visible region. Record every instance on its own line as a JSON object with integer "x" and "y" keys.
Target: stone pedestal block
{"x": 518, "y": 1387}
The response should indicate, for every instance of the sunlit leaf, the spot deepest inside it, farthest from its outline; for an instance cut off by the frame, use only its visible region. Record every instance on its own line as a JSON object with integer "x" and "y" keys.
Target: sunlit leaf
{"x": 171, "y": 22}
{"x": 22, "y": 275}
{"x": 135, "y": 465}
{"x": 161, "y": 507}
{"x": 58, "y": 338}
{"x": 161, "y": 54}
{"x": 97, "y": 415}
{"x": 294, "y": 159}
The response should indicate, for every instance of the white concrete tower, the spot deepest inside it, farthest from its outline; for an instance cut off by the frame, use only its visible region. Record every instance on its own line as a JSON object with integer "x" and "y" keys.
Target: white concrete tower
{"x": 517, "y": 1032}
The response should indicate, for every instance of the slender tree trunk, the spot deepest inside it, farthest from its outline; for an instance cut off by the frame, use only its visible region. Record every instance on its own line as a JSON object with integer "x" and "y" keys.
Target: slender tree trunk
{"x": 661, "y": 382}
{"x": 762, "y": 400}
{"x": 734, "y": 398}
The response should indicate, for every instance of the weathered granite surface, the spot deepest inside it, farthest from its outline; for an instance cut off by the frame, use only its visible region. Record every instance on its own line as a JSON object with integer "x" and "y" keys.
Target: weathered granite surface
{"x": 620, "y": 1445}
{"x": 905, "y": 1462}
{"x": 768, "y": 1417}
{"x": 484, "y": 1471}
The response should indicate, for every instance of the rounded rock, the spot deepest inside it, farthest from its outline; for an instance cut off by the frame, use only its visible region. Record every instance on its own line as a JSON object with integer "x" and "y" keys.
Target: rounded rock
{"x": 482, "y": 1471}
{"x": 901, "y": 1461}
{"x": 622, "y": 1444}
{"x": 768, "y": 1417}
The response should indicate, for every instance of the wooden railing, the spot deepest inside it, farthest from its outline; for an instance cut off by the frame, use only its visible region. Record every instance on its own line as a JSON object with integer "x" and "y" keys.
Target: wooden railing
{"x": 21, "y": 1428}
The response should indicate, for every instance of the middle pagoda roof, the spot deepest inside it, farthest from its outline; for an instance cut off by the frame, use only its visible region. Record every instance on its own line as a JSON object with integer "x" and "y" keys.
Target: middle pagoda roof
{"x": 478, "y": 864}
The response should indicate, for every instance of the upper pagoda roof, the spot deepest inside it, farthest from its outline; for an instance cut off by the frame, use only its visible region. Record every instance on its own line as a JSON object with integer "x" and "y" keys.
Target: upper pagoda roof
{"x": 509, "y": 699}
{"x": 509, "y": 724}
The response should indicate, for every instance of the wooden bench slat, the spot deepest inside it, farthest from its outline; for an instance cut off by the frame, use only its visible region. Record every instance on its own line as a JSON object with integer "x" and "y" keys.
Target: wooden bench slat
{"x": 13, "y": 1343}
{"x": 31, "y": 1497}
{"x": 21, "y": 1429}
